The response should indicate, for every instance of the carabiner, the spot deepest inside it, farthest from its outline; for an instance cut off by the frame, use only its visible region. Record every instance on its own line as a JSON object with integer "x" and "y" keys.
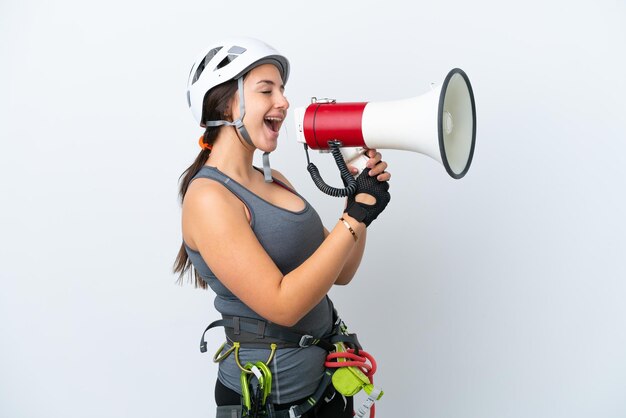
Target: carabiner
{"x": 264, "y": 387}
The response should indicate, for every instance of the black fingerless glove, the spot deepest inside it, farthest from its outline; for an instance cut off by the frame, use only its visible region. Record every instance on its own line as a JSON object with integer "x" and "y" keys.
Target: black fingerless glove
{"x": 369, "y": 185}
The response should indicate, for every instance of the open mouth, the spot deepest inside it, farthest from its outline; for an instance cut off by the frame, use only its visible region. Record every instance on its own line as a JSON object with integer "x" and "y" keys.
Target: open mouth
{"x": 273, "y": 123}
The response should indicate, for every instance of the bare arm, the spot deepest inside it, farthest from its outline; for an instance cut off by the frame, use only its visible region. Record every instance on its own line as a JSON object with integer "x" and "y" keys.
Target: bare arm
{"x": 377, "y": 168}
{"x": 353, "y": 260}
{"x": 230, "y": 248}
{"x": 215, "y": 222}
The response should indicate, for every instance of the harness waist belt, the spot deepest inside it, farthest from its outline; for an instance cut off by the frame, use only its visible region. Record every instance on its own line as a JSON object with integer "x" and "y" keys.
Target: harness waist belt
{"x": 255, "y": 333}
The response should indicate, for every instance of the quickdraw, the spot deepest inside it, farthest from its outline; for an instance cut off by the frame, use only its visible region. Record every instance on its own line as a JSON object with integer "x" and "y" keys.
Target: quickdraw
{"x": 257, "y": 405}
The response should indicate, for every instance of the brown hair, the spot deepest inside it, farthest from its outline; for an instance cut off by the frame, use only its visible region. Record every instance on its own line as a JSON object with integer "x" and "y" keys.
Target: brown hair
{"x": 215, "y": 106}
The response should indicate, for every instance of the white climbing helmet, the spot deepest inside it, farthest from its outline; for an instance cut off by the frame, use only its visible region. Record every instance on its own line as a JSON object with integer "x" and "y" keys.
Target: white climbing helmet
{"x": 226, "y": 60}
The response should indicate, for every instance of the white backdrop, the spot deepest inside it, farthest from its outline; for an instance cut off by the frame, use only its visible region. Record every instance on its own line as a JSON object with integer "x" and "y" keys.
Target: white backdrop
{"x": 498, "y": 295}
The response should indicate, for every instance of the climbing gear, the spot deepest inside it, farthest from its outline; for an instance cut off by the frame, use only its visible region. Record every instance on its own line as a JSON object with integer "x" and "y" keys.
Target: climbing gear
{"x": 227, "y": 60}
{"x": 220, "y": 355}
{"x": 348, "y": 368}
{"x": 353, "y": 374}
{"x": 256, "y": 406}
{"x": 228, "y": 411}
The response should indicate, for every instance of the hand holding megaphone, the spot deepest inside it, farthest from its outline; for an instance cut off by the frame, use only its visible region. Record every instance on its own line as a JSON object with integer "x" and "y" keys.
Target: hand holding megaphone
{"x": 378, "y": 191}
{"x": 440, "y": 124}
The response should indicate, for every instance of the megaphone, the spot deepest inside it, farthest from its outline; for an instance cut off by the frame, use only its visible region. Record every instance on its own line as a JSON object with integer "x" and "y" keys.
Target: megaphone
{"x": 440, "y": 124}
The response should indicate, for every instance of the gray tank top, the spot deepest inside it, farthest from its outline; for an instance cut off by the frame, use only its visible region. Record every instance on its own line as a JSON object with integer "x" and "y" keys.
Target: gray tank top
{"x": 289, "y": 238}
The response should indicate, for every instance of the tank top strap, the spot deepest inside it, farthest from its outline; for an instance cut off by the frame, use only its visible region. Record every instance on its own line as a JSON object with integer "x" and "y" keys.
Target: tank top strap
{"x": 237, "y": 189}
{"x": 280, "y": 183}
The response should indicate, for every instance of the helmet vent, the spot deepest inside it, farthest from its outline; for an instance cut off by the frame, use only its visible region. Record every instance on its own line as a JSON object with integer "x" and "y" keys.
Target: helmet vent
{"x": 204, "y": 62}
{"x": 237, "y": 50}
{"x": 233, "y": 53}
{"x": 227, "y": 60}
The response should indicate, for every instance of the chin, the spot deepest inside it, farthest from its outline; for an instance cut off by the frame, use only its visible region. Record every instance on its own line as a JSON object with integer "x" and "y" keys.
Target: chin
{"x": 268, "y": 146}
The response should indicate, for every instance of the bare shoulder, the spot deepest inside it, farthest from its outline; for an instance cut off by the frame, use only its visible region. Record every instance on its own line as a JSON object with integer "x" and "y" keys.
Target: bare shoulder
{"x": 205, "y": 193}
{"x": 216, "y": 225}
{"x": 206, "y": 204}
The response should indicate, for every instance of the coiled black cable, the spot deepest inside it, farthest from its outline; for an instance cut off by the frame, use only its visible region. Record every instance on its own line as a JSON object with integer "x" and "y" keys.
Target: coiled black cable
{"x": 348, "y": 180}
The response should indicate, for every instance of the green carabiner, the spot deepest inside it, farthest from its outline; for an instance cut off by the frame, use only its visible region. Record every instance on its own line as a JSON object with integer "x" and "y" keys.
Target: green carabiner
{"x": 266, "y": 386}
{"x": 264, "y": 376}
{"x": 246, "y": 403}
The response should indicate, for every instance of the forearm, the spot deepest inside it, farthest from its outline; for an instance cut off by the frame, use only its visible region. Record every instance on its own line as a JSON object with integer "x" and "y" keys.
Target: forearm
{"x": 303, "y": 288}
{"x": 353, "y": 261}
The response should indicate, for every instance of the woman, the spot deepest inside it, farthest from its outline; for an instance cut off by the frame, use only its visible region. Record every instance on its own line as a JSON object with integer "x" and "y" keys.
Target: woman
{"x": 253, "y": 239}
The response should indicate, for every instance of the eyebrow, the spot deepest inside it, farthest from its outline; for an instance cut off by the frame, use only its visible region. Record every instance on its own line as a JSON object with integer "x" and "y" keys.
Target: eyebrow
{"x": 269, "y": 82}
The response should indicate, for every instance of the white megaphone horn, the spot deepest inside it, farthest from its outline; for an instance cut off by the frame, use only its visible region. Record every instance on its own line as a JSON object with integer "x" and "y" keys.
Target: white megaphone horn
{"x": 440, "y": 124}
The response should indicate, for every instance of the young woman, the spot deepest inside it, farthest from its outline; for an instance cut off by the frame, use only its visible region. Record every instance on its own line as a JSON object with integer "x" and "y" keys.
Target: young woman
{"x": 254, "y": 240}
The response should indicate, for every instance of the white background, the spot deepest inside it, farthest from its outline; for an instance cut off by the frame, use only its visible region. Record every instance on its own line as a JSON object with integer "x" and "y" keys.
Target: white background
{"x": 500, "y": 295}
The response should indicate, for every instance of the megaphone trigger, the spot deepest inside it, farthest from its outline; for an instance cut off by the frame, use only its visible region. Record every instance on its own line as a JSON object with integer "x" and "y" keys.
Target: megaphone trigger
{"x": 355, "y": 156}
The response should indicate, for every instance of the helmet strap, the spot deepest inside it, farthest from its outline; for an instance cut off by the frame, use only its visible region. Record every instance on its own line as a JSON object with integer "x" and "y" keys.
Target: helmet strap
{"x": 267, "y": 170}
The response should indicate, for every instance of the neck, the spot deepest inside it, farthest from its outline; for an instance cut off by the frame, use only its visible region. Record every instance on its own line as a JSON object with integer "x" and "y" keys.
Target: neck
{"x": 233, "y": 156}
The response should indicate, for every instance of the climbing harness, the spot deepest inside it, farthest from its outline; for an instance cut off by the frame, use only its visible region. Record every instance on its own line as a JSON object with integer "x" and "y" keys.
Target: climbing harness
{"x": 348, "y": 368}
{"x": 220, "y": 355}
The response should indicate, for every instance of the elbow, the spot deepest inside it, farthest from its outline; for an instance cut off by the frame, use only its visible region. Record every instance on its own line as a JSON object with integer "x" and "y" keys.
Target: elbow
{"x": 286, "y": 319}
{"x": 282, "y": 317}
{"x": 287, "y": 324}
{"x": 285, "y": 309}
{"x": 344, "y": 279}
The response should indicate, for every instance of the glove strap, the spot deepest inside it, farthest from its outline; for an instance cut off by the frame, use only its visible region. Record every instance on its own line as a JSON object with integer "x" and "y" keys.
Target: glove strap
{"x": 356, "y": 211}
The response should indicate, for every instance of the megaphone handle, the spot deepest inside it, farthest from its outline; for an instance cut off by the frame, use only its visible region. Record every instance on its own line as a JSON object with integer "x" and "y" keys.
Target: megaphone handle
{"x": 355, "y": 156}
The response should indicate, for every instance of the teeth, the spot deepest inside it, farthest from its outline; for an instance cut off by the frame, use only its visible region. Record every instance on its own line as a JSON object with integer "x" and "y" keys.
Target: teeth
{"x": 274, "y": 122}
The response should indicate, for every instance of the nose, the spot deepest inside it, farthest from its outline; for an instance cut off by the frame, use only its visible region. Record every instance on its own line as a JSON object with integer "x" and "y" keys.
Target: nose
{"x": 282, "y": 102}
